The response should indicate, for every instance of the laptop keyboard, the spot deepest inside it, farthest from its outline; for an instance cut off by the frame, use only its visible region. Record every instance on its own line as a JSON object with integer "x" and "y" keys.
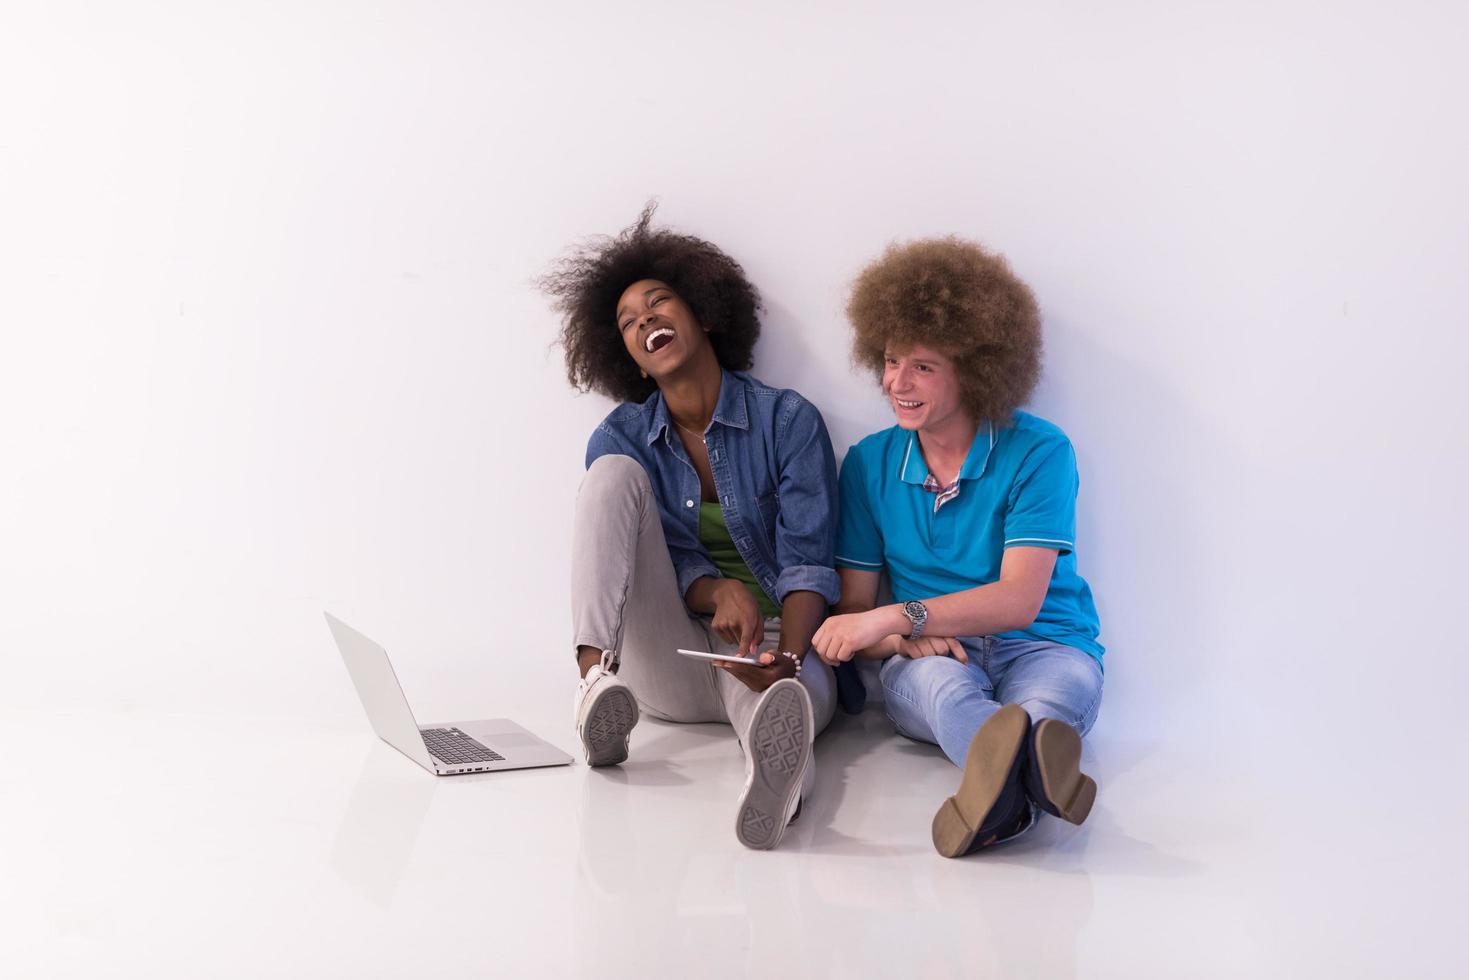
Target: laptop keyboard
{"x": 452, "y": 746}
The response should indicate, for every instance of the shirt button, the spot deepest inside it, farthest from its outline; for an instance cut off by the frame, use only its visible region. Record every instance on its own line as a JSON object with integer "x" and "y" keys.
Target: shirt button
{"x": 688, "y": 503}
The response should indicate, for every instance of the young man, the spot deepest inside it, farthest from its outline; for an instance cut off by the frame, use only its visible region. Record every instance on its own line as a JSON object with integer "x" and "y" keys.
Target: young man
{"x": 968, "y": 504}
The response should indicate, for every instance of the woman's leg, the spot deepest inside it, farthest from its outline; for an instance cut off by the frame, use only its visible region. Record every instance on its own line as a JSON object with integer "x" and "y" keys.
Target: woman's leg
{"x": 624, "y": 595}
{"x": 625, "y": 599}
{"x": 739, "y": 701}
{"x": 775, "y": 728}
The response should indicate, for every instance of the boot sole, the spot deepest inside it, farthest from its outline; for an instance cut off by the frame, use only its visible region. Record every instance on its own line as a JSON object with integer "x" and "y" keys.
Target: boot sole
{"x": 610, "y": 719}
{"x": 1069, "y": 792}
{"x": 780, "y": 749}
{"x": 987, "y": 768}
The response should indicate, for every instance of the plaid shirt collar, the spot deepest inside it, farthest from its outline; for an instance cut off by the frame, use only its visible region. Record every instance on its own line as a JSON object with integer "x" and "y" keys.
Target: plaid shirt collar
{"x": 945, "y": 494}
{"x": 915, "y": 470}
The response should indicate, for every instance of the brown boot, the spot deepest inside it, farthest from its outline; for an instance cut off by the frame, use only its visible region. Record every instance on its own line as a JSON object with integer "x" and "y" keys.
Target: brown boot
{"x": 1053, "y": 776}
{"x": 990, "y": 804}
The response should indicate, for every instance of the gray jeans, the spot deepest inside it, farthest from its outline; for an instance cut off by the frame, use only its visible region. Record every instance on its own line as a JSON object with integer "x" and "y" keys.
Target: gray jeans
{"x": 625, "y": 598}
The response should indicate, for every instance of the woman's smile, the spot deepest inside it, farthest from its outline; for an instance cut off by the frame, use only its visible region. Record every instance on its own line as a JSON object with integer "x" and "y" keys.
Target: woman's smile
{"x": 658, "y": 338}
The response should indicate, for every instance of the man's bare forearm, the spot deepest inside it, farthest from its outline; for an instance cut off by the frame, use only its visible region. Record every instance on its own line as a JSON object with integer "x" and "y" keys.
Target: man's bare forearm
{"x": 979, "y": 611}
{"x": 880, "y": 650}
{"x": 994, "y": 608}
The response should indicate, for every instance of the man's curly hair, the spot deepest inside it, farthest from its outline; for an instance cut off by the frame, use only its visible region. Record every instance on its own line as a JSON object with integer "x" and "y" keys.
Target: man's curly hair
{"x": 959, "y": 299}
{"x": 587, "y": 284}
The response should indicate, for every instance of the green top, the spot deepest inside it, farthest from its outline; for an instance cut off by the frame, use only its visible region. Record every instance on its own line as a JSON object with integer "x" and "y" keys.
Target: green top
{"x": 721, "y": 547}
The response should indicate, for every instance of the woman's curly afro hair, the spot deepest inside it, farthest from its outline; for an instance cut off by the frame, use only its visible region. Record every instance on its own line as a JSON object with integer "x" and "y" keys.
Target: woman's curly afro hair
{"x": 961, "y": 300}
{"x": 587, "y": 284}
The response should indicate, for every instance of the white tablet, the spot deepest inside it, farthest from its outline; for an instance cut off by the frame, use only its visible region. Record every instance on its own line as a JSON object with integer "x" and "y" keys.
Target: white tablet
{"x": 719, "y": 656}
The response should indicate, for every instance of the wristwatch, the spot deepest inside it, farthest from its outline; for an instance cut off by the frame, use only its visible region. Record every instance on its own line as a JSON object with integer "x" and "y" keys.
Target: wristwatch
{"x": 917, "y": 614}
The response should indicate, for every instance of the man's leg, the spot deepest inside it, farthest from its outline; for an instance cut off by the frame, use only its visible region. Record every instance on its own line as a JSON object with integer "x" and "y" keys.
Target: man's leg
{"x": 939, "y": 699}
{"x": 628, "y": 616}
{"x": 1060, "y": 688}
{"x": 1048, "y": 680}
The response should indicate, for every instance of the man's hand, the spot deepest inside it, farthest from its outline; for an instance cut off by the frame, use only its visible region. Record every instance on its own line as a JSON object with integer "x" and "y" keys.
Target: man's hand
{"x": 772, "y": 668}
{"x": 933, "y": 646}
{"x": 737, "y": 618}
{"x": 840, "y": 638}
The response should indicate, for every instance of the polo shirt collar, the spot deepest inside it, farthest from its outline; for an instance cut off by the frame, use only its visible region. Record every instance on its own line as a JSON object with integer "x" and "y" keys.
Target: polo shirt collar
{"x": 730, "y": 410}
{"x": 914, "y": 468}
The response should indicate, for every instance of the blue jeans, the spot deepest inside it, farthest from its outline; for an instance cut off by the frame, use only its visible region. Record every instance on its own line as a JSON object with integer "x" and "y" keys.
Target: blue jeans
{"x": 940, "y": 700}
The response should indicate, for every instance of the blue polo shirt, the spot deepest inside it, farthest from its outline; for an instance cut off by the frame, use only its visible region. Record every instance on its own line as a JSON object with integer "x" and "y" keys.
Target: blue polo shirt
{"x": 1017, "y": 489}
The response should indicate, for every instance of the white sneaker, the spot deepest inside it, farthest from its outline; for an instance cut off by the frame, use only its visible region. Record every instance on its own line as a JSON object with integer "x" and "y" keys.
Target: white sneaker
{"x": 605, "y": 711}
{"x": 777, "y": 757}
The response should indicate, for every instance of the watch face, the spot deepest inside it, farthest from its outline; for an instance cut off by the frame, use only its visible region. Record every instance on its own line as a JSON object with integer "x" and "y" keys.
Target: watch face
{"x": 917, "y": 614}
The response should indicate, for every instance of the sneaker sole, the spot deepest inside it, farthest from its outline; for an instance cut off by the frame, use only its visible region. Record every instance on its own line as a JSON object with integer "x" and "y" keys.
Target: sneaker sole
{"x": 610, "y": 719}
{"x": 992, "y": 757}
{"x": 780, "y": 744}
{"x": 1069, "y": 793}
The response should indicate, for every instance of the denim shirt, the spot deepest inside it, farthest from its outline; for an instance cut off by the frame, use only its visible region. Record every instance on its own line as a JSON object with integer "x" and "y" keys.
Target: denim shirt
{"x": 774, "y": 472}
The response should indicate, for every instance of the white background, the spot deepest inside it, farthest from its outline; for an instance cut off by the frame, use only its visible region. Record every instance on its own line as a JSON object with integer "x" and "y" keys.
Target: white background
{"x": 272, "y": 343}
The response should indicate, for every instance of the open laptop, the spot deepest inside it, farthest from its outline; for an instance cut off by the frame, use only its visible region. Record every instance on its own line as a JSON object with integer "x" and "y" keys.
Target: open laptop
{"x": 444, "y": 750}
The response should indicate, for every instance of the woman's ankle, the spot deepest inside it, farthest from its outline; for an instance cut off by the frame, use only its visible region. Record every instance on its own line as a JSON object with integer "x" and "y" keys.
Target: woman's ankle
{"x": 587, "y": 658}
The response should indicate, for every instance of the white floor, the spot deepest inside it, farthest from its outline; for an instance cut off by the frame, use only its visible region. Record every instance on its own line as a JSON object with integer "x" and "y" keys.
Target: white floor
{"x": 150, "y": 845}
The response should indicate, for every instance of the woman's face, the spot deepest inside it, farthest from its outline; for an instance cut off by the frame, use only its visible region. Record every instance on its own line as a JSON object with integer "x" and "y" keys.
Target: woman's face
{"x": 923, "y": 388}
{"x": 658, "y": 328}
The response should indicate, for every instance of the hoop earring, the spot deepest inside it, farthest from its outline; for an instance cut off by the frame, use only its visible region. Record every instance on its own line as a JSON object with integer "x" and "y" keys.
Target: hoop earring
{"x": 642, "y": 372}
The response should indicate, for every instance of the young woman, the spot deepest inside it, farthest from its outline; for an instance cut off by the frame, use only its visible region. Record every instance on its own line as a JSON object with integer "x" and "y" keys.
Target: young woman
{"x": 969, "y": 505}
{"x": 706, "y": 519}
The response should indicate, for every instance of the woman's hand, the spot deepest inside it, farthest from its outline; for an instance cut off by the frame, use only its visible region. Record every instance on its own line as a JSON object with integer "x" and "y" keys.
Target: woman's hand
{"x": 772, "y": 667}
{"x": 737, "y": 618}
{"x": 933, "y": 646}
{"x": 841, "y": 638}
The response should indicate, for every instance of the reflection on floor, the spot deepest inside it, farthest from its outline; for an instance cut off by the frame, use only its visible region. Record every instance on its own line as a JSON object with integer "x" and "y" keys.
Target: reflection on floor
{"x": 274, "y": 850}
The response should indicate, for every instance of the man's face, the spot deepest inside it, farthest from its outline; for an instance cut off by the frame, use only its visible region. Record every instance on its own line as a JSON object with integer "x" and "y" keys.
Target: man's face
{"x": 658, "y": 328}
{"x": 923, "y": 388}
